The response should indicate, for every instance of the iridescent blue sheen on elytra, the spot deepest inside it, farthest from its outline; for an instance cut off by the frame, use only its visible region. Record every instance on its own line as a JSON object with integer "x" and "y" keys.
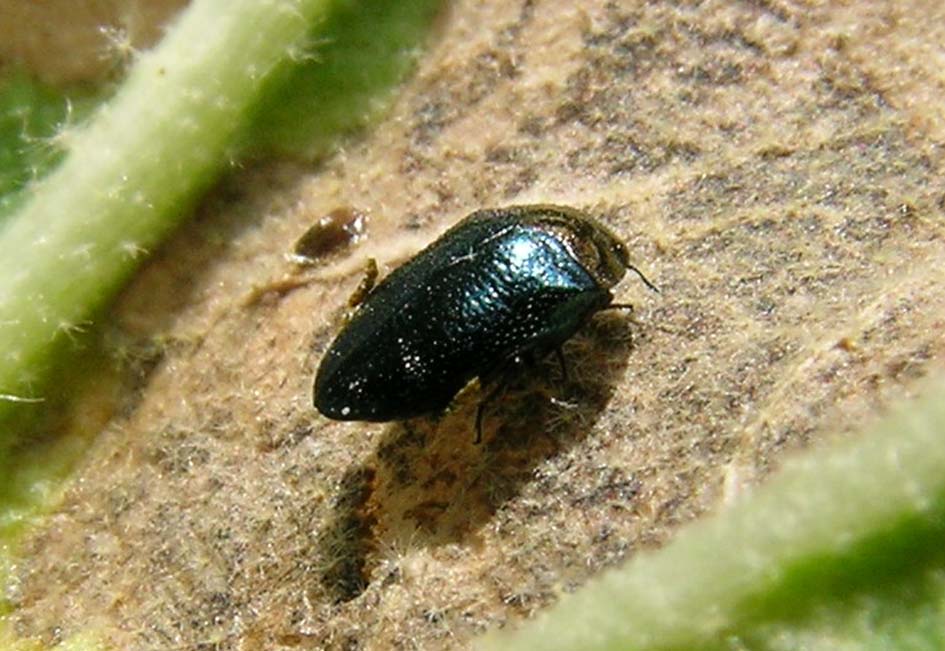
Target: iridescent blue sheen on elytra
{"x": 501, "y": 287}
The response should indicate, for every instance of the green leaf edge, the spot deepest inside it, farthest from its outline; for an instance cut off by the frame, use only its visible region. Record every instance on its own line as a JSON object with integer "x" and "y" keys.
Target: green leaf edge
{"x": 124, "y": 183}
{"x": 823, "y": 553}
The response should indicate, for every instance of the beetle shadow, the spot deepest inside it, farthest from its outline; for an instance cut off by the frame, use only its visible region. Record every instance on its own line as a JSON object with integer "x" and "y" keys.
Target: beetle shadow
{"x": 427, "y": 483}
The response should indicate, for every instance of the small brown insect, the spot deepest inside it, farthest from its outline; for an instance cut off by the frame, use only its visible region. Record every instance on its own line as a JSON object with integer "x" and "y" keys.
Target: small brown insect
{"x": 341, "y": 227}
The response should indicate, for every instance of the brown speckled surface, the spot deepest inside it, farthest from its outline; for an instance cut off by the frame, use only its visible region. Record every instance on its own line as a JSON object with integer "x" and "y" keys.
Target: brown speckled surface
{"x": 67, "y": 42}
{"x": 775, "y": 169}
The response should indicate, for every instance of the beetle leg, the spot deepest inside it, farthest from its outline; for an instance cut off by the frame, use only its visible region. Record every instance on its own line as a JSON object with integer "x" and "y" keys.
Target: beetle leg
{"x": 621, "y": 306}
{"x": 564, "y": 367}
{"x": 628, "y": 307}
{"x": 366, "y": 285}
{"x": 480, "y": 410}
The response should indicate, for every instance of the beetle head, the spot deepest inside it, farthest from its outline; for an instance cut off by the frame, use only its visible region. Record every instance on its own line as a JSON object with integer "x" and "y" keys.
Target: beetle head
{"x": 602, "y": 254}
{"x": 613, "y": 259}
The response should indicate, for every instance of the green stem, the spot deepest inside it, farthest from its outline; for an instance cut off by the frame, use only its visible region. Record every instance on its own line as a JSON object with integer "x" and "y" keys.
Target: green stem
{"x": 127, "y": 178}
{"x": 842, "y": 521}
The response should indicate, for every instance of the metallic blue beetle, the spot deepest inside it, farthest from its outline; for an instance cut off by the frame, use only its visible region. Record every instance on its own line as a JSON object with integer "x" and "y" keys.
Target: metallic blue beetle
{"x": 501, "y": 288}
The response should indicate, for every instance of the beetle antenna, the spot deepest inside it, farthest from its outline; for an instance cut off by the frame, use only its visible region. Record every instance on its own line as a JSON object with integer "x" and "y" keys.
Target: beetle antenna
{"x": 646, "y": 281}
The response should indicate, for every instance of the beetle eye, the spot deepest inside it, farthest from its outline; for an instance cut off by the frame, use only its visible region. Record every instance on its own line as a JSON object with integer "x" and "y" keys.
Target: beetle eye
{"x": 620, "y": 250}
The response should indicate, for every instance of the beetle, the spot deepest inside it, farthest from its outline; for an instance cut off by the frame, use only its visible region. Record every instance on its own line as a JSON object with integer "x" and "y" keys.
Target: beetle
{"x": 501, "y": 288}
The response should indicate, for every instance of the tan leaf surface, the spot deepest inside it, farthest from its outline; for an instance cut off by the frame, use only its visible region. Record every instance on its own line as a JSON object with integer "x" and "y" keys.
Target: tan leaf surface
{"x": 775, "y": 169}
